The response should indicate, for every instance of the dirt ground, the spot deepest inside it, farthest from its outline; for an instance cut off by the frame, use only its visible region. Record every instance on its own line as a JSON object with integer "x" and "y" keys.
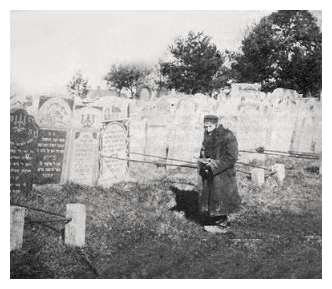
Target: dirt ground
{"x": 151, "y": 229}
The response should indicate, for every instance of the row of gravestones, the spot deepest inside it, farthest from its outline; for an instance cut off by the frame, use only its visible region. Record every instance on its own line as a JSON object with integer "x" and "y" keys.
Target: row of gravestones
{"x": 41, "y": 155}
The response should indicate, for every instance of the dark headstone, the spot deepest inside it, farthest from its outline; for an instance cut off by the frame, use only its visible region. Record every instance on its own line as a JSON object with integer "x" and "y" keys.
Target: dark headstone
{"x": 50, "y": 154}
{"x": 23, "y": 139}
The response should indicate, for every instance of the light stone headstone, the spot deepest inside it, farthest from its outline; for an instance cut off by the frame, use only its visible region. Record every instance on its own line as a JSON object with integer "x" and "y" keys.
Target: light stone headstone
{"x": 17, "y": 215}
{"x": 84, "y": 158}
{"x": 75, "y": 229}
{"x": 280, "y": 172}
{"x": 114, "y": 143}
{"x": 257, "y": 176}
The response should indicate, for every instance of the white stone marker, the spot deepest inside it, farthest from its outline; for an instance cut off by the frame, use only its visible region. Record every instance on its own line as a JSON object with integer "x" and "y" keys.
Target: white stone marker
{"x": 75, "y": 229}
{"x": 280, "y": 172}
{"x": 257, "y": 176}
{"x": 17, "y": 215}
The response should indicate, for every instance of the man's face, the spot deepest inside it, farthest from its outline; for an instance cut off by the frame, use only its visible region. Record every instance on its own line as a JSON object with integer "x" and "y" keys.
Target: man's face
{"x": 209, "y": 126}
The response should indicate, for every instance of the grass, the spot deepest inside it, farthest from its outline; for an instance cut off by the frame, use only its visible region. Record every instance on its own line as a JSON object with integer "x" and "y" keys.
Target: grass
{"x": 150, "y": 229}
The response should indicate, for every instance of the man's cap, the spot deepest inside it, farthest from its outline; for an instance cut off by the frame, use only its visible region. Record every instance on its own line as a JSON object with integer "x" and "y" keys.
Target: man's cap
{"x": 211, "y": 117}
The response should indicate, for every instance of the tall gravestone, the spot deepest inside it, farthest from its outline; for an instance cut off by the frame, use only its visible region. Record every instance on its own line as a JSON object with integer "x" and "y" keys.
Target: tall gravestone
{"x": 84, "y": 158}
{"x": 114, "y": 144}
{"x": 54, "y": 119}
{"x": 184, "y": 141}
{"x": 23, "y": 139}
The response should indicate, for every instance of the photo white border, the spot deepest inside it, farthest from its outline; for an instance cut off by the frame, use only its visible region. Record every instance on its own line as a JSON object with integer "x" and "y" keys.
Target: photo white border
{"x": 7, "y": 6}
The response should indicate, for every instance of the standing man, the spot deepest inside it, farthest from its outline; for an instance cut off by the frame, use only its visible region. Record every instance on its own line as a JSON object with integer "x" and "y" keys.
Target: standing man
{"x": 218, "y": 156}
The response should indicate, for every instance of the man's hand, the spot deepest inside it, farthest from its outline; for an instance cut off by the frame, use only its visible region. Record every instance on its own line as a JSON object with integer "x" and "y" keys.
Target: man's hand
{"x": 205, "y": 171}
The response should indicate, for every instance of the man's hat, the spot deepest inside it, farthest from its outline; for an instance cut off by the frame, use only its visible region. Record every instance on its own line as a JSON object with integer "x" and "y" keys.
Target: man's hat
{"x": 211, "y": 118}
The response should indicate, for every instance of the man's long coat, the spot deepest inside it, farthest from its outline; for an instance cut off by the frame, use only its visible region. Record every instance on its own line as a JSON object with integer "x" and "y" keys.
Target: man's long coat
{"x": 220, "y": 194}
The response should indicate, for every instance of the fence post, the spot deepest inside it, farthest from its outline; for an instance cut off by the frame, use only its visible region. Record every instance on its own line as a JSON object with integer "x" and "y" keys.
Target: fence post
{"x": 17, "y": 215}
{"x": 75, "y": 229}
{"x": 257, "y": 176}
{"x": 280, "y": 172}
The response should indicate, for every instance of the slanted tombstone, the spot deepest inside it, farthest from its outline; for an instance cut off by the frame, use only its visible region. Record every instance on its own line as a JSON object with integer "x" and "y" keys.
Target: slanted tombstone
{"x": 114, "y": 151}
{"x": 23, "y": 140}
{"x": 84, "y": 158}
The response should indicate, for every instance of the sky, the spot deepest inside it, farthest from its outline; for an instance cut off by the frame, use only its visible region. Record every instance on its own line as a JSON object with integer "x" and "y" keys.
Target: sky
{"x": 47, "y": 48}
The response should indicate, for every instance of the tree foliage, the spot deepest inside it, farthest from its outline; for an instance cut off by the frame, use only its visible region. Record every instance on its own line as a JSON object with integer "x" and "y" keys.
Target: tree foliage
{"x": 129, "y": 76}
{"x": 196, "y": 65}
{"x": 283, "y": 50}
{"x": 78, "y": 86}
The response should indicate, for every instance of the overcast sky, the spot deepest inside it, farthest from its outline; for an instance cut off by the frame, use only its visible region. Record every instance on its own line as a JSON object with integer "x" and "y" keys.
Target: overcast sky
{"x": 48, "y": 47}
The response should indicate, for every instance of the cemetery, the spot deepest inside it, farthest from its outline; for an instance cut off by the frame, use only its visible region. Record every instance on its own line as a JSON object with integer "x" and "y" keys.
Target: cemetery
{"x": 121, "y": 173}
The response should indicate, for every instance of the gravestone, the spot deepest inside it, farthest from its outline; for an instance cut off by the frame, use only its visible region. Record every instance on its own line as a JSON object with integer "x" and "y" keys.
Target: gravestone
{"x": 23, "y": 140}
{"x": 50, "y": 156}
{"x": 75, "y": 229}
{"x": 17, "y": 215}
{"x": 84, "y": 158}
{"x": 184, "y": 136}
{"x": 257, "y": 176}
{"x": 54, "y": 112}
{"x": 114, "y": 143}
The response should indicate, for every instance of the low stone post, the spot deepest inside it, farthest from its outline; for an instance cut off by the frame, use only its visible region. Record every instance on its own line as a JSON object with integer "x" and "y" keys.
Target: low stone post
{"x": 280, "y": 172}
{"x": 75, "y": 229}
{"x": 17, "y": 215}
{"x": 257, "y": 176}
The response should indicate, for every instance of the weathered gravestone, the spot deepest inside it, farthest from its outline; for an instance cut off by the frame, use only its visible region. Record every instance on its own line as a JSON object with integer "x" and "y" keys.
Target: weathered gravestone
{"x": 17, "y": 215}
{"x": 54, "y": 112}
{"x": 54, "y": 118}
{"x": 50, "y": 156}
{"x": 183, "y": 144}
{"x": 84, "y": 158}
{"x": 23, "y": 139}
{"x": 114, "y": 144}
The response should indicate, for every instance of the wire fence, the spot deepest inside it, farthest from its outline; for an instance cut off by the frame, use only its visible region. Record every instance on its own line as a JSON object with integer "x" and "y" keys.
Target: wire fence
{"x": 291, "y": 154}
{"x": 63, "y": 219}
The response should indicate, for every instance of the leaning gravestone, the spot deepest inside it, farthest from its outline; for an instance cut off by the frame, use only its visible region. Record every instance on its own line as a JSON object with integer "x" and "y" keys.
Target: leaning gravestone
{"x": 84, "y": 158}
{"x": 114, "y": 143}
{"x": 23, "y": 139}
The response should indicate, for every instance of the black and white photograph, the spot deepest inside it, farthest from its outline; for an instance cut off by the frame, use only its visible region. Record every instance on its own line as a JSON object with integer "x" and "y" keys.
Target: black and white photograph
{"x": 165, "y": 144}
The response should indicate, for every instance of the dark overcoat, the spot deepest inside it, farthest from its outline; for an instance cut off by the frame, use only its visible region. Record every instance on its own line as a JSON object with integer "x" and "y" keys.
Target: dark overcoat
{"x": 220, "y": 195}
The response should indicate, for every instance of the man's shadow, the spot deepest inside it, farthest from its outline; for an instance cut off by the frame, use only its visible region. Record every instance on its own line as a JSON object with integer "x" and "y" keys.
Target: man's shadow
{"x": 188, "y": 202}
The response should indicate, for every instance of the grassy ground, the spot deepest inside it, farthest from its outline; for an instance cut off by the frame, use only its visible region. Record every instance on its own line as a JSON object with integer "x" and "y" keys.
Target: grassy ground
{"x": 150, "y": 229}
